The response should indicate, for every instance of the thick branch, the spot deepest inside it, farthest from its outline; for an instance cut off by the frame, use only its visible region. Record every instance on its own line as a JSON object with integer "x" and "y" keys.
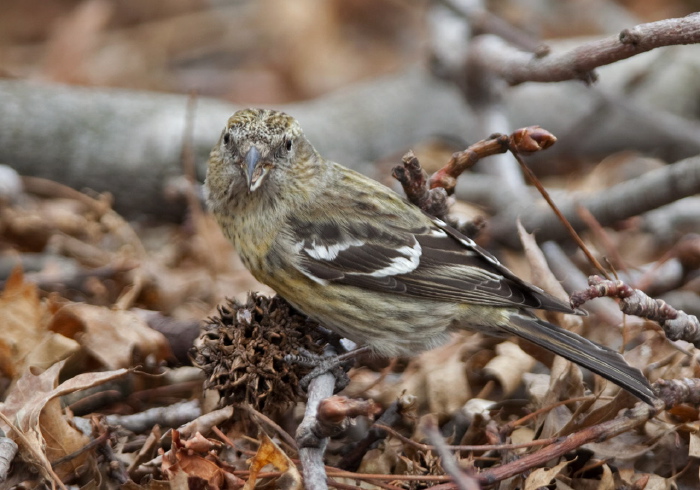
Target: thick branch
{"x": 129, "y": 143}
{"x": 630, "y": 198}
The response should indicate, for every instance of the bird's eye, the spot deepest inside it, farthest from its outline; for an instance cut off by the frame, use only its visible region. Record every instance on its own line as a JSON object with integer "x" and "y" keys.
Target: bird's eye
{"x": 227, "y": 138}
{"x": 283, "y": 148}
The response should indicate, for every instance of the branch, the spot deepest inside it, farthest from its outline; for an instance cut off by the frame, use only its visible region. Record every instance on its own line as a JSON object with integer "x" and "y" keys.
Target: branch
{"x": 629, "y": 420}
{"x": 500, "y": 58}
{"x": 431, "y": 194}
{"x": 609, "y": 206}
{"x": 129, "y": 142}
{"x": 311, "y": 445}
{"x": 677, "y": 324}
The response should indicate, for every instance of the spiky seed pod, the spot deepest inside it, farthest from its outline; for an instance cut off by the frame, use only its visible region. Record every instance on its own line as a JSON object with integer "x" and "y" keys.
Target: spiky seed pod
{"x": 242, "y": 351}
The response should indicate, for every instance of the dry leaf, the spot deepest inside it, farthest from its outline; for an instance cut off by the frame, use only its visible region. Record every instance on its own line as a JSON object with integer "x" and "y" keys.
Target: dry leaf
{"x": 21, "y": 315}
{"x": 694, "y": 445}
{"x": 607, "y": 482}
{"x": 186, "y": 460}
{"x": 49, "y": 350}
{"x": 26, "y": 341}
{"x": 111, "y": 336}
{"x": 25, "y": 405}
{"x": 270, "y": 453}
{"x": 509, "y": 365}
{"x": 565, "y": 382}
{"x": 438, "y": 378}
{"x": 542, "y": 477}
{"x": 380, "y": 460}
{"x": 541, "y": 275}
{"x": 657, "y": 482}
{"x": 61, "y": 439}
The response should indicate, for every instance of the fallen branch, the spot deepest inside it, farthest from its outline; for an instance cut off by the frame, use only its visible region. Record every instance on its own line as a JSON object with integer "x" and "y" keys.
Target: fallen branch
{"x": 609, "y": 206}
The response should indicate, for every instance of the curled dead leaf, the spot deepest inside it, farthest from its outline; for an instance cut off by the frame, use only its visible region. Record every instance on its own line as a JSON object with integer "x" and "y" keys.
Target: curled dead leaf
{"x": 34, "y": 412}
{"x": 509, "y": 365}
{"x": 187, "y": 460}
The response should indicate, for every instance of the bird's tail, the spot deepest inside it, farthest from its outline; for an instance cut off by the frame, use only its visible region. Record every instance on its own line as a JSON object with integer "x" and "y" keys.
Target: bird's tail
{"x": 601, "y": 360}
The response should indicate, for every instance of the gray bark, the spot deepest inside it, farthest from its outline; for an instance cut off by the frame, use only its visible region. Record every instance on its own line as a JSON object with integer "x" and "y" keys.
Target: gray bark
{"x": 129, "y": 142}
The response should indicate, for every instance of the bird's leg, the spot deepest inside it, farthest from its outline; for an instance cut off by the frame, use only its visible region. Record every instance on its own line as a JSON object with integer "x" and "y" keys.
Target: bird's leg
{"x": 336, "y": 365}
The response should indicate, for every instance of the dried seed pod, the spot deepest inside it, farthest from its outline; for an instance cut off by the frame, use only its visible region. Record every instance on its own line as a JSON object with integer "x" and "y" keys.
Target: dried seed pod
{"x": 242, "y": 350}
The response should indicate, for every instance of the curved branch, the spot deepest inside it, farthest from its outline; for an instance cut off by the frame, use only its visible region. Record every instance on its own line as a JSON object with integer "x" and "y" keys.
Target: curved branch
{"x": 500, "y": 58}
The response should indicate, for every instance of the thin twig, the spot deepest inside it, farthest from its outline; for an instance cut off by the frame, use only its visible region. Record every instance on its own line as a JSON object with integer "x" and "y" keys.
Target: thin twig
{"x": 475, "y": 447}
{"x": 535, "y": 181}
{"x": 271, "y": 423}
{"x": 448, "y": 462}
{"x": 629, "y": 420}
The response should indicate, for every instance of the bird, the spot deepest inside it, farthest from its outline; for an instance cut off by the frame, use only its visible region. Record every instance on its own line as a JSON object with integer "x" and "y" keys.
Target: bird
{"x": 364, "y": 262}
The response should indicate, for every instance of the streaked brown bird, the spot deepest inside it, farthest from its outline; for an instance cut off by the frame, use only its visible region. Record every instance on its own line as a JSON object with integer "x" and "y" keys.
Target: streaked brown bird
{"x": 364, "y": 262}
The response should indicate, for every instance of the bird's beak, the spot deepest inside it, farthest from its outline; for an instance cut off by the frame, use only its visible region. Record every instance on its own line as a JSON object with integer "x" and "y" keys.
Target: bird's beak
{"x": 254, "y": 171}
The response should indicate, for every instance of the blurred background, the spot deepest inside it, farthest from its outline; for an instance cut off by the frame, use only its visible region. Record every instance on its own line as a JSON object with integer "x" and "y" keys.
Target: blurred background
{"x": 265, "y": 51}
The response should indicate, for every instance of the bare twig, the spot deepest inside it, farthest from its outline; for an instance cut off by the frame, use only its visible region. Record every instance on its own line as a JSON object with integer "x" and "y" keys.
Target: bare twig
{"x": 172, "y": 416}
{"x": 573, "y": 279}
{"x": 599, "y": 232}
{"x": 448, "y": 461}
{"x": 627, "y": 421}
{"x": 500, "y": 58}
{"x": 311, "y": 446}
{"x": 527, "y": 140}
{"x": 431, "y": 194}
{"x": 677, "y": 324}
{"x": 446, "y": 177}
{"x": 676, "y": 391}
{"x": 415, "y": 185}
{"x": 570, "y": 229}
{"x": 470, "y": 447}
{"x": 335, "y": 412}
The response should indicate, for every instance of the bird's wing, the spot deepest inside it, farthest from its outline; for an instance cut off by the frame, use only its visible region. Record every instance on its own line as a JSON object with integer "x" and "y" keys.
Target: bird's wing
{"x": 429, "y": 259}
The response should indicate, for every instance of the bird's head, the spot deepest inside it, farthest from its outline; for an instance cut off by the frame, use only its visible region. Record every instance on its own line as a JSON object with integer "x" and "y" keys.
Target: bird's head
{"x": 258, "y": 145}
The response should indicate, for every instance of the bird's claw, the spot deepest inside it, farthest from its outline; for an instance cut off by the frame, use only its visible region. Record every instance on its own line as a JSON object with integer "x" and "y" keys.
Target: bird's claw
{"x": 335, "y": 365}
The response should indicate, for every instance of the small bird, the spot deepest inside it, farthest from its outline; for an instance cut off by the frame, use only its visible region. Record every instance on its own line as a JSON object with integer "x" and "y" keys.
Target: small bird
{"x": 364, "y": 262}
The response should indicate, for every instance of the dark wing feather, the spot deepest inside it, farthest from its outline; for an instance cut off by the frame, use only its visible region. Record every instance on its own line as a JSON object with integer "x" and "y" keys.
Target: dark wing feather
{"x": 601, "y": 360}
{"x": 430, "y": 260}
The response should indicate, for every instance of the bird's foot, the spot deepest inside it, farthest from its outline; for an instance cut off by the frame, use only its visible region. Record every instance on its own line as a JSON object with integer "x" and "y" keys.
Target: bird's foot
{"x": 338, "y": 366}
